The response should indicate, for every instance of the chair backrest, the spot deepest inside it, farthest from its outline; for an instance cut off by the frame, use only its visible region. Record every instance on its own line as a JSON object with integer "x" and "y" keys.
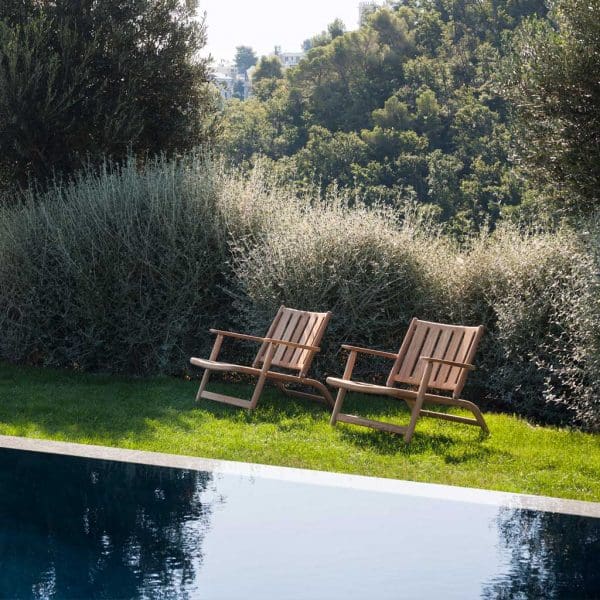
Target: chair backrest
{"x": 448, "y": 342}
{"x": 301, "y": 327}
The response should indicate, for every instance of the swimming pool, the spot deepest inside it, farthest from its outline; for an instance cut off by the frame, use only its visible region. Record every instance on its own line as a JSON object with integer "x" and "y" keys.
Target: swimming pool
{"x": 85, "y": 527}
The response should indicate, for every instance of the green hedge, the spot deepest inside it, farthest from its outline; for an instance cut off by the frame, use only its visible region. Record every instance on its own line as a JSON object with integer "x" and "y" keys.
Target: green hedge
{"x": 125, "y": 270}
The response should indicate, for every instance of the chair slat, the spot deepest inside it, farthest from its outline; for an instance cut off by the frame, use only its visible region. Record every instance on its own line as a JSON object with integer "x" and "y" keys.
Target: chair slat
{"x": 451, "y": 354}
{"x": 431, "y": 339}
{"x": 305, "y": 336}
{"x": 463, "y": 354}
{"x": 413, "y": 352}
{"x": 270, "y": 332}
{"x": 448, "y": 342}
{"x": 302, "y": 327}
{"x": 289, "y": 358}
{"x": 301, "y": 324}
{"x": 286, "y": 334}
{"x": 441, "y": 351}
{"x": 312, "y": 336}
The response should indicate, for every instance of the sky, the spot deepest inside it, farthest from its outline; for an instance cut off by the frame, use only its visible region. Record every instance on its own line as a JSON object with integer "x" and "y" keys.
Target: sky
{"x": 264, "y": 24}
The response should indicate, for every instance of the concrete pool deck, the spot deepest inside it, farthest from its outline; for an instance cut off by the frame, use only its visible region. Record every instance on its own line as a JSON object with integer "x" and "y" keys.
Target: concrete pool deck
{"x": 360, "y": 482}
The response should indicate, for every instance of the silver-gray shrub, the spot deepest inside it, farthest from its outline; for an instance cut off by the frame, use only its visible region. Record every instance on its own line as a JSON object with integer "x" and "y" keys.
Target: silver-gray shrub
{"x": 538, "y": 293}
{"x": 121, "y": 270}
{"x": 370, "y": 266}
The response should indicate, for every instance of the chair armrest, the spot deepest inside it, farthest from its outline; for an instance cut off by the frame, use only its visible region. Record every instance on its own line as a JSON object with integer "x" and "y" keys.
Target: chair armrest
{"x": 354, "y": 351}
{"x": 449, "y": 362}
{"x": 389, "y": 355}
{"x": 238, "y": 336}
{"x": 261, "y": 340}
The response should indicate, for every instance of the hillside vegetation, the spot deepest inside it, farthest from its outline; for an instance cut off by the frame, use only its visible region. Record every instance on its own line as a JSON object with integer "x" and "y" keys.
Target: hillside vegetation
{"x": 405, "y": 106}
{"x": 476, "y": 110}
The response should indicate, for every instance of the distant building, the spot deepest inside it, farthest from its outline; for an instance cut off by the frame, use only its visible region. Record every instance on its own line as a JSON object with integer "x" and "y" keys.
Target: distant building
{"x": 224, "y": 83}
{"x": 290, "y": 59}
{"x": 230, "y": 82}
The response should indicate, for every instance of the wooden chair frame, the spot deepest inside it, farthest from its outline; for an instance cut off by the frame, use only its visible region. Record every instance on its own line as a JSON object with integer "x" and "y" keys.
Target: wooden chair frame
{"x": 273, "y": 352}
{"x": 425, "y": 372}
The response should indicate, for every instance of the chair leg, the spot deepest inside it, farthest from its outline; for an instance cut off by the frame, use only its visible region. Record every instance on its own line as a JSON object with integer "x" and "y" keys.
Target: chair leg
{"x": 262, "y": 378}
{"x": 416, "y": 411}
{"x": 213, "y": 356}
{"x": 477, "y": 414}
{"x": 339, "y": 401}
{"x": 418, "y": 405}
{"x": 324, "y": 391}
{"x": 203, "y": 384}
{"x": 260, "y": 384}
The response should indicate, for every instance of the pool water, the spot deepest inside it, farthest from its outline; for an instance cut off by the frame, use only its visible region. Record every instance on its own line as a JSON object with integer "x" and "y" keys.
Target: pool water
{"x": 74, "y": 527}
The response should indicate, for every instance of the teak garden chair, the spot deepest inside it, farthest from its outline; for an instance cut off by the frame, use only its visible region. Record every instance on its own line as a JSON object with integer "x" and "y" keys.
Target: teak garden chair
{"x": 289, "y": 345}
{"x": 433, "y": 356}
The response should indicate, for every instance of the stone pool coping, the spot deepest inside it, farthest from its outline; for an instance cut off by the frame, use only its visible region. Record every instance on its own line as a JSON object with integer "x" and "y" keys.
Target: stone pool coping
{"x": 360, "y": 482}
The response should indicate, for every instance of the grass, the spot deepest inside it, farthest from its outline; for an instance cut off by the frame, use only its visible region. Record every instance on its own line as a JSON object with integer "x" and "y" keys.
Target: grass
{"x": 160, "y": 415}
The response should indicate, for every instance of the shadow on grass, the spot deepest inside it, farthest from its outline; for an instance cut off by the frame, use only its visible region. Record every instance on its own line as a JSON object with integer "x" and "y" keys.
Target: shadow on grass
{"x": 453, "y": 450}
{"x": 273, "y": 407}
{"x": 462, "y": 443}
{"x": 73, "y": 406}
{"x": 122, "y": 410}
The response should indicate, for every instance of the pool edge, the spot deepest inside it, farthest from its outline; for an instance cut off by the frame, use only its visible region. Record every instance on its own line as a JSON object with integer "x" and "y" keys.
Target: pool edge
{"x": 362, "y": 482}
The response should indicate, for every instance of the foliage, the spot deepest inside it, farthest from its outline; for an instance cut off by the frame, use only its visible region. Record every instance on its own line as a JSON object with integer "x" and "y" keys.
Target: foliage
{"x": 269, "y": 67}
{"x": 266, "y": 127}
{"x": 355, "y": 261}
{"x": 536, "y": 293}
{"x": 551, "y": 80}
{"x": 414, "y": 85}
{"x": 266, "y": 76}
{"x": 334, "y": 29}
{"x": 94, "y": 78}
{"x": 118, "y": 271}
{"x": 245, "y": 57}
{"x": 126, "y": 269}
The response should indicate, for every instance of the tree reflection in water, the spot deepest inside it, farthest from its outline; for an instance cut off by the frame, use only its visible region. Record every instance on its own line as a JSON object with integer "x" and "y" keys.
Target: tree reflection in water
{"x": 72, "y": 527}
{"x": 551, "y": 556}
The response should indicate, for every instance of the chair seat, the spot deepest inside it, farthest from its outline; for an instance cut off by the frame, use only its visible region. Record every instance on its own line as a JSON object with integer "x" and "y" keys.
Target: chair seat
{"x": 363, "y": 388}
{"x": 214, "y": 365}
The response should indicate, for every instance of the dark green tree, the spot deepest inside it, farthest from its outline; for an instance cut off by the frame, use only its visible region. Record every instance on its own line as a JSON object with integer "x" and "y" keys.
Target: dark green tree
{"x": 336, "y": 28}
{"x": 269, "y": 67}
{"x": 245, "y": 57}
{"x": 79, "y": 80}
{"x": 552, "y": 81}
{"x": 266, "y": 76}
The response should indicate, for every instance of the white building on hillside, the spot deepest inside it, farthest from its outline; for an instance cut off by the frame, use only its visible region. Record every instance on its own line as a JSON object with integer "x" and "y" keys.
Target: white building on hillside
{"x": 290, "y": 59}
{"x": 229, "y": 81}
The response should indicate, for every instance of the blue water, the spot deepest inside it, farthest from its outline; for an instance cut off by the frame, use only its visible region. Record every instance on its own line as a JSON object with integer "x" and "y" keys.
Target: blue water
{"x": 80, "y": 528}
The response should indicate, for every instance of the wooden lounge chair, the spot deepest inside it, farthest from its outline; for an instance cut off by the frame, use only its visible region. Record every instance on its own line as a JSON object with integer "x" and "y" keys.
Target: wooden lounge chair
{"x": 289, "y": 345}
{"x": 433, "y": 356}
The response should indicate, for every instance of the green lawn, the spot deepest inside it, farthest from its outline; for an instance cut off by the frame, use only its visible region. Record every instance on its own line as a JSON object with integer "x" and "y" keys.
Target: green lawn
{"x": 160, "y": 415}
